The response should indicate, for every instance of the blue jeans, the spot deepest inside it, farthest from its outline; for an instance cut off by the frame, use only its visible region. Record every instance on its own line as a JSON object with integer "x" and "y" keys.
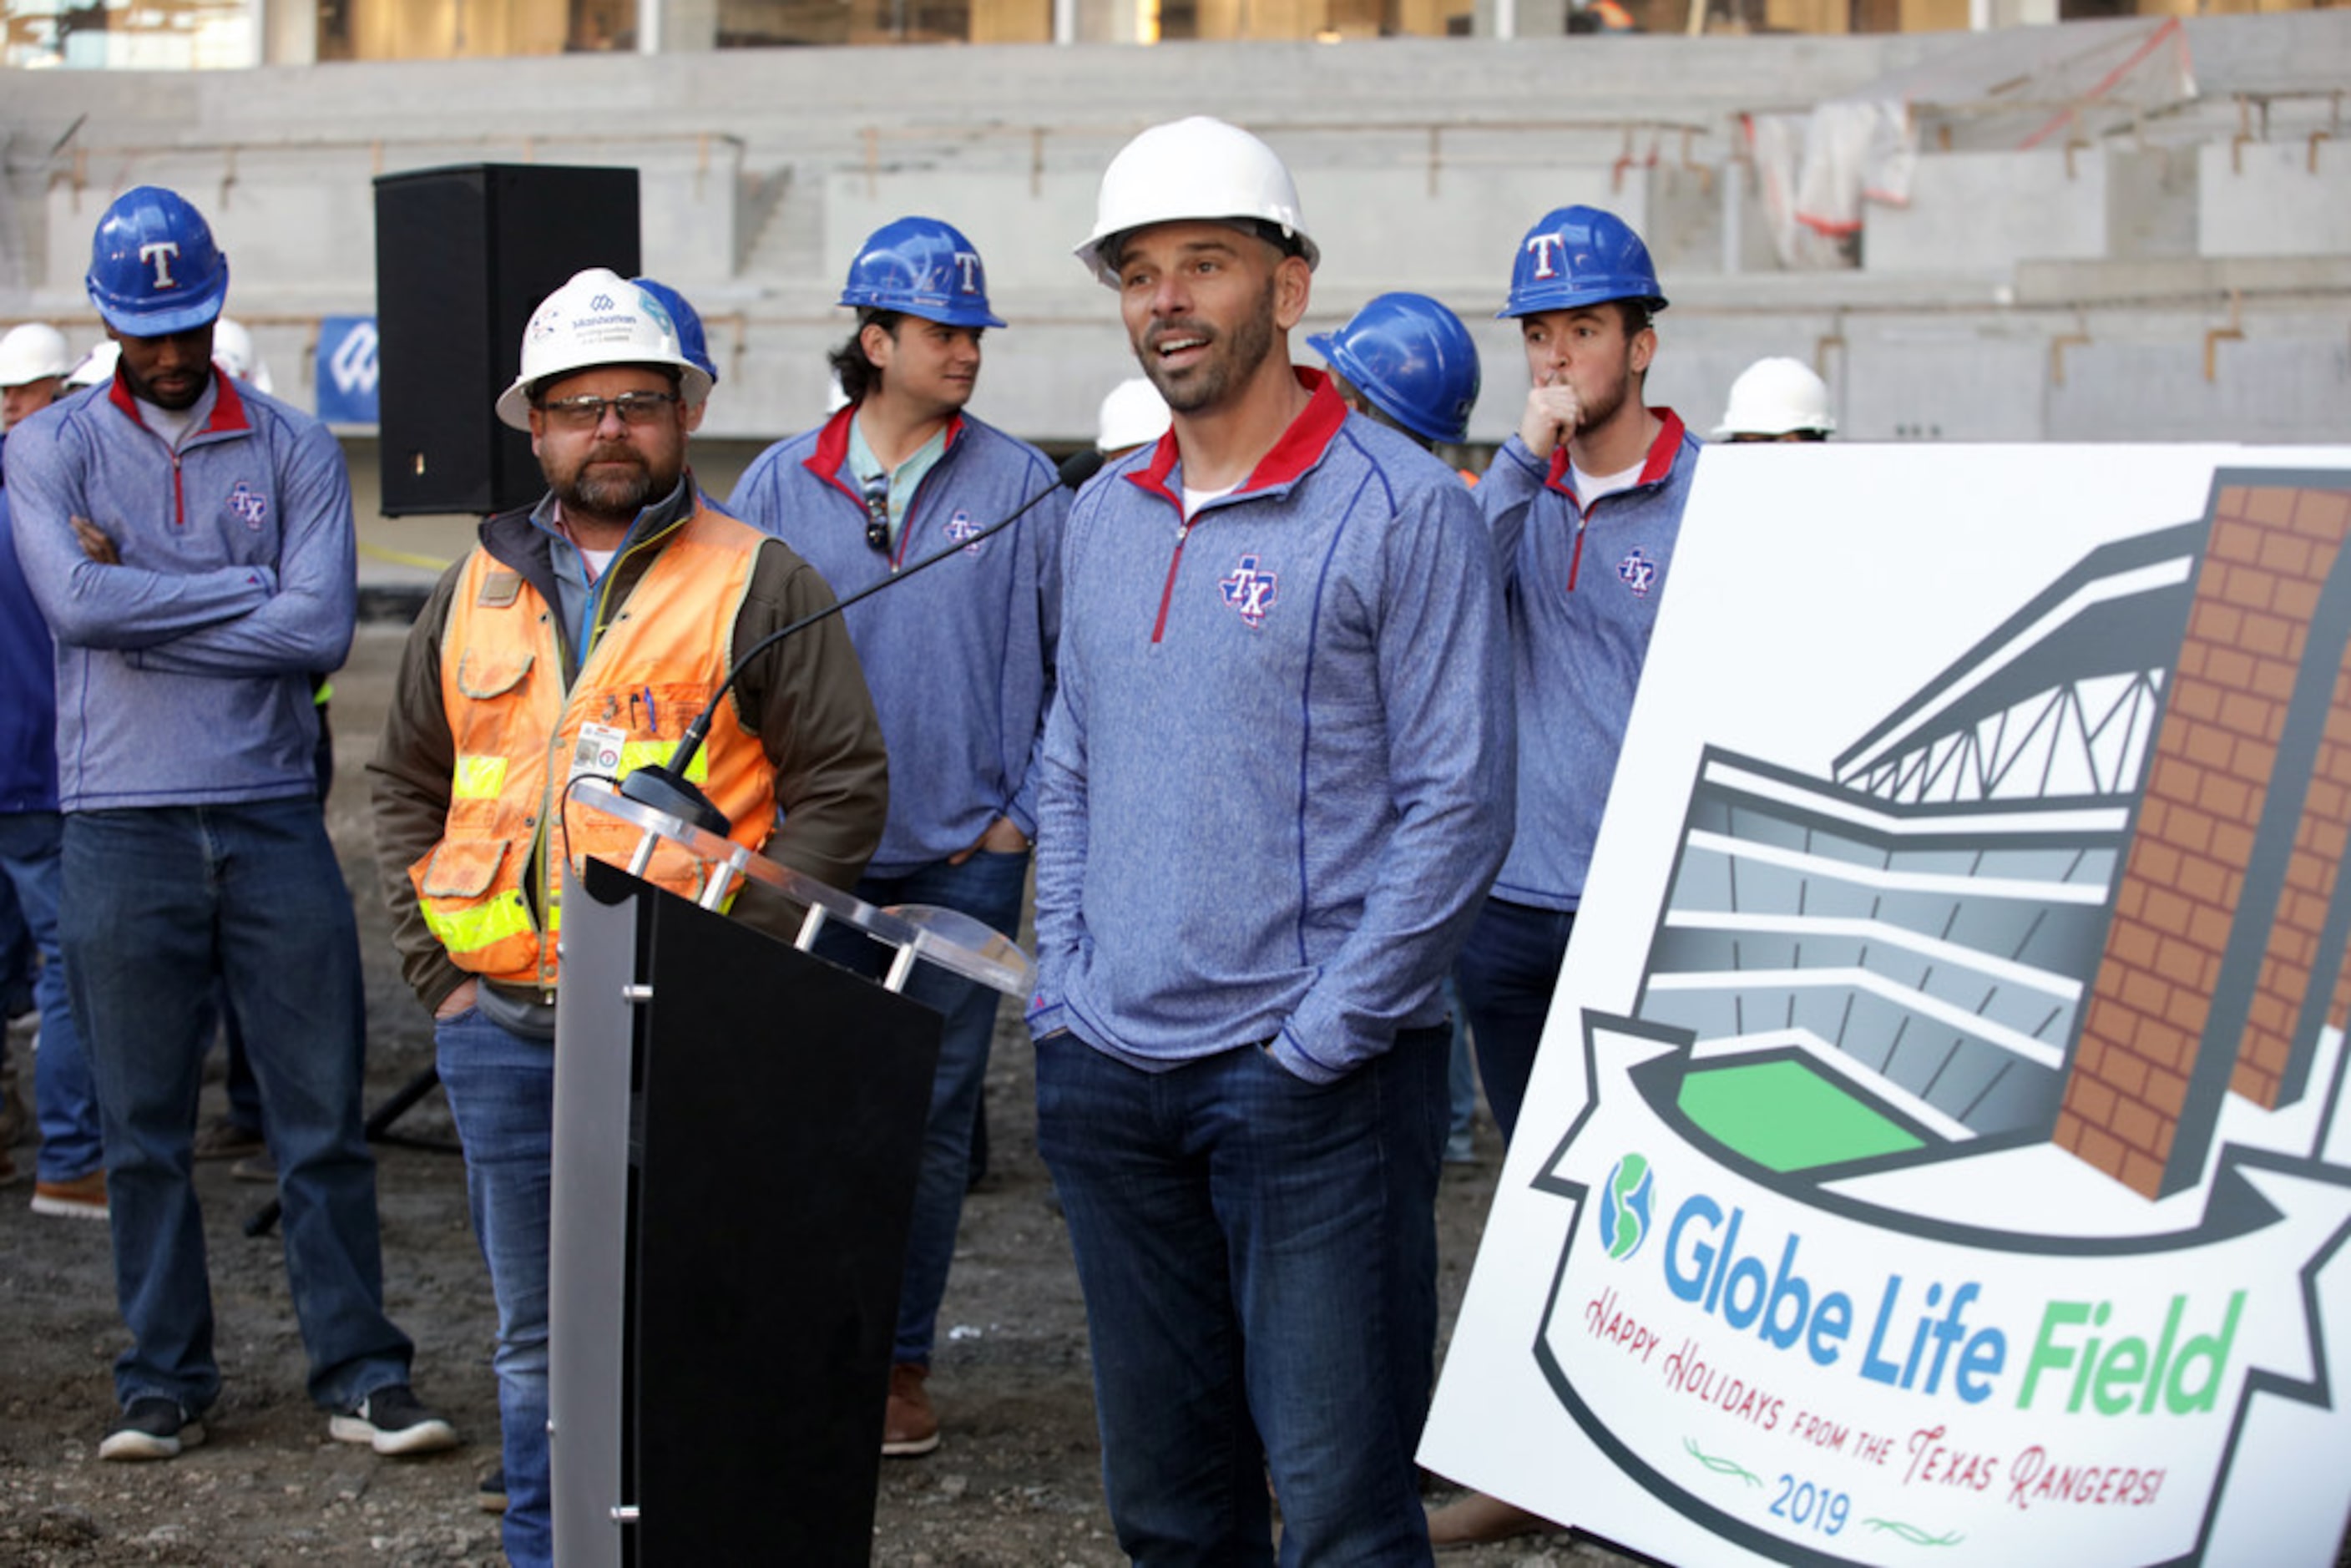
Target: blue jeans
{"x": 1507, "y": 973}
{"x": 31, "y": 856}
{"x": 501, "y": 1090}
{"x": 160, "y": 904}
{"x": 1259, "y": 1259}
{"x": 988, "y": 887}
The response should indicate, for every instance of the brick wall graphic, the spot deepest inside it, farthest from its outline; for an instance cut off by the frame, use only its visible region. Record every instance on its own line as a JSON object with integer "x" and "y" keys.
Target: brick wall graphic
{"x": 2081, "y": 887}
{"x": 2225, "y": 955}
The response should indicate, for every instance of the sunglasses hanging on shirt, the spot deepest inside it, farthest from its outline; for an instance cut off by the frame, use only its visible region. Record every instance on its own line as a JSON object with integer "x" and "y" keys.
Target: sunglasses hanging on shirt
{"x": 877, "y": 512}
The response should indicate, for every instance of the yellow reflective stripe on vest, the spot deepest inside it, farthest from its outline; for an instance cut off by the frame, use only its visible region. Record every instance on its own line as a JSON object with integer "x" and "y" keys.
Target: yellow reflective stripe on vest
{"x": 478, "y": 778}
{"x": 464, "y": 931}
{"x": 636, "y": 754}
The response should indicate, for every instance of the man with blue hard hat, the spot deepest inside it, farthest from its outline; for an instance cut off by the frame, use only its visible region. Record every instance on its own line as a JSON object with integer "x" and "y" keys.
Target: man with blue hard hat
{"x": 1407, "y": 362}
{"x": 960, "y": 660}
{"x": 691, "y": 342}
{"x": 1583, "y": 501}
{"x": 189, "y": 542}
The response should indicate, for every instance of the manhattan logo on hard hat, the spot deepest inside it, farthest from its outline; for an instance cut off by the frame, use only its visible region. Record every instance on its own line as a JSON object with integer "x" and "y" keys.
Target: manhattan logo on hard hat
{"x": 597, "y": 318}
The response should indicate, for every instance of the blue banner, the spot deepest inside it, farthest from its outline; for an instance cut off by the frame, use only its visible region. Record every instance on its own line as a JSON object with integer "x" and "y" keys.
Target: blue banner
{"x": 348, "y": 369}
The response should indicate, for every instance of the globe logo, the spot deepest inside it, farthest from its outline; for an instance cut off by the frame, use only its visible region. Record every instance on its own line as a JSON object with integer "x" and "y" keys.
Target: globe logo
{"x": 1625, "y": 1205}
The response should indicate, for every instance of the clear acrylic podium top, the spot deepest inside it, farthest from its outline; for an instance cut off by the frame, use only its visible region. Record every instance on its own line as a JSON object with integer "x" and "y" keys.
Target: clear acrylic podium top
{"x": 919, "y": 933}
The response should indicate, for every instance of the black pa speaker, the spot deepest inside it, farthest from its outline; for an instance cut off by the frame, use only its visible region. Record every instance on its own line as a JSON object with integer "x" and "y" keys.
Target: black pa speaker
{"x": 462, "y": 255}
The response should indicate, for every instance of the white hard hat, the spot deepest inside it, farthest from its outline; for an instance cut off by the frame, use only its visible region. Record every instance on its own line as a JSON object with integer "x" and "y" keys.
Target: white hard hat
{"x": 1132, "y": 413}
{"x": 96, "y": 366}
{"x": 233, "y": 349}
{"x": 598, "y": 319}
{"x": 1189, "y": 170}
{"x": 33, "y": 353}
{"x": 1776, "y": 397}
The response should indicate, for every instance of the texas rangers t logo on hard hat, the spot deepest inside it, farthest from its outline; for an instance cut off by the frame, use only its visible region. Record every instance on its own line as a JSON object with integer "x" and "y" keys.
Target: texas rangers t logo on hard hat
{"x": 159, "y": 254}
{"x": 968, "y": 265}
{"x": 1544, "y": 246}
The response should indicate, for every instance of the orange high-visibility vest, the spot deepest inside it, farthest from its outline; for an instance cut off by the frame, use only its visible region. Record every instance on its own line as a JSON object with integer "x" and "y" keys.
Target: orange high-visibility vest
{"x": 660, "y": 653}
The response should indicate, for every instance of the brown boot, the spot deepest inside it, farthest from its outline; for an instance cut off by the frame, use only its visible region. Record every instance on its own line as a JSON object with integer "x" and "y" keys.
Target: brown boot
{"x": 909, "y": 1427}
{"x": 84, "y": 1198}
{"x": 1473, "y": 1519}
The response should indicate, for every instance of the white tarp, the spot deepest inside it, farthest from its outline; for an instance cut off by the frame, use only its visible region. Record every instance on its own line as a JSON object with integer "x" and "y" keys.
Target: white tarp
{"x": 2016, "y": 88}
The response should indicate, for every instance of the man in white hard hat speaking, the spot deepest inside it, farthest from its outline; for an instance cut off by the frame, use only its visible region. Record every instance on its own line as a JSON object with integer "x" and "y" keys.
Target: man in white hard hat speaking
{"x": 1275, "y": 786}
{"x": 600, "y": 619}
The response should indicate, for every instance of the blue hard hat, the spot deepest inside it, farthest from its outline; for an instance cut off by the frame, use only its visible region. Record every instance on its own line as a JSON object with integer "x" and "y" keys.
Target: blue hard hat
{"x": 921, "y": 267}
{"x": 1413, "y": 358}
{"x": 153, "y": 267}
{"x": 1577, "y": 256}
{"x": 688, "y": 322}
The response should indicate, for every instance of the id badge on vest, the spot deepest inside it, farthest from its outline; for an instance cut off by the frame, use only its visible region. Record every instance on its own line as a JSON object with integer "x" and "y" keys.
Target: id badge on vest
{"x": 595, "y": 753}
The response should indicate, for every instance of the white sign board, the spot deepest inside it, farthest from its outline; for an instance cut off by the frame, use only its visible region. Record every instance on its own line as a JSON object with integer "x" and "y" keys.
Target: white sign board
{"x": 1936, "y": 1153}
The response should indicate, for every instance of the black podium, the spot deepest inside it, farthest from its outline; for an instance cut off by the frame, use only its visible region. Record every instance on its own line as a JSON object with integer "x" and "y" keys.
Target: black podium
{"x": 737, "y": 1128}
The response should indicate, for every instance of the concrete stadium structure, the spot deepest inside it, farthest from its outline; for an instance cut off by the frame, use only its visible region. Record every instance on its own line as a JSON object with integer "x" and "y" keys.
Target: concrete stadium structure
{"x": 2188, "y": 276}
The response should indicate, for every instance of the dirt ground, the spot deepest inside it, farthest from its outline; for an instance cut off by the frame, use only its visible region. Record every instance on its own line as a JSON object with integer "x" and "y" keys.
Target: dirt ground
{"x": 1016, "y": 1484}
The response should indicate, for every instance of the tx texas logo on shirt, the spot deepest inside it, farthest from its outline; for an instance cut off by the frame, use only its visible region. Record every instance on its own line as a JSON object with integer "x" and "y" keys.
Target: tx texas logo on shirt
{"x": 248, "y": 504}
{"x": 1639, "y": 573}
{"x": 1249, "y": 591}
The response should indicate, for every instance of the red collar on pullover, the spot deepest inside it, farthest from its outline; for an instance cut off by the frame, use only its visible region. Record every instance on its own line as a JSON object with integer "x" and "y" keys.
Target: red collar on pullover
{"x": 228, "y": 409}
{"x": 1660, "y": 461}
{"x": 1301, "y": 447}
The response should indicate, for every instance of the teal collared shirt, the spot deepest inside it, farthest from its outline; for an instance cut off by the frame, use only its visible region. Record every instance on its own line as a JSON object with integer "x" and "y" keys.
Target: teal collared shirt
{"x": 905, "y": 479}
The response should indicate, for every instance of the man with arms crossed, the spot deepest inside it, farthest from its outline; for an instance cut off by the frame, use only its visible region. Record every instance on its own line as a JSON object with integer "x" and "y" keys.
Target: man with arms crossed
{"x": 191, "y": 547}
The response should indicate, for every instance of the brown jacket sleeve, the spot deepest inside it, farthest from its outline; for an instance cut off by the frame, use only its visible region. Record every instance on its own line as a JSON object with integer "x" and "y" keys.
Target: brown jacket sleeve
{"x": 806, "y": 701}
{"x": 408, "y": 784}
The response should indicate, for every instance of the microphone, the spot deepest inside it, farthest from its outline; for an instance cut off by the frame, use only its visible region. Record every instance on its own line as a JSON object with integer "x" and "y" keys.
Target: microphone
{"x": 668, "y": 789}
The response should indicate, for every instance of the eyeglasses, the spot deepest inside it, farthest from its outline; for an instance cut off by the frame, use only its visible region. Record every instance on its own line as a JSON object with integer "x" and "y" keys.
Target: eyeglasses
{"x": 588, "y": 413}
{"x": 877, "y": 512}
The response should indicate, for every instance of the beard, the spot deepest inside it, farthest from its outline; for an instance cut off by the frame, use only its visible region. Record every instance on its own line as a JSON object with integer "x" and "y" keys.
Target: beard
{"x": 1229, "y": 363}
{"x": 612, "y": 494}
{"x": 1606, "y": 402}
